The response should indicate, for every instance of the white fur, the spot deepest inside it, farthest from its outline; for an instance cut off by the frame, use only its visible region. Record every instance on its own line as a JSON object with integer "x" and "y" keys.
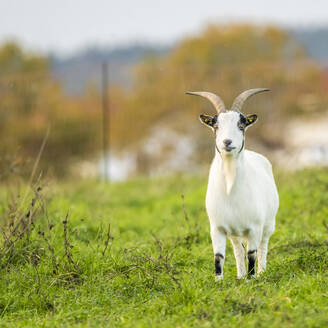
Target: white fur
{"x": 242, "y": 199}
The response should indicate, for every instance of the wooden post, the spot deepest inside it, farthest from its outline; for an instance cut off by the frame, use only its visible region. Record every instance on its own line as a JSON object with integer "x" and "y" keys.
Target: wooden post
{"x": 106, "y": 122}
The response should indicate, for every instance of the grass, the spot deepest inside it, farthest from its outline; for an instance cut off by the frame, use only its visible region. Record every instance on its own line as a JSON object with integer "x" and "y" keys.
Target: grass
{"x": 137, "y": 254}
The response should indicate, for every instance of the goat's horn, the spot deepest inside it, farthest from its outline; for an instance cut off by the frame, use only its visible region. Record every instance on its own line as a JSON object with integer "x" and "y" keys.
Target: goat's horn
{"x": 239, "y": 101}
{"x": 216, "y": 101}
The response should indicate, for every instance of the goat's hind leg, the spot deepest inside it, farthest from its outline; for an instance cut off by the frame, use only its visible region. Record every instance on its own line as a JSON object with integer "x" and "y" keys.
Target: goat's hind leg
{"x": 262, "y": 254}
{"x": 239, "y": 253}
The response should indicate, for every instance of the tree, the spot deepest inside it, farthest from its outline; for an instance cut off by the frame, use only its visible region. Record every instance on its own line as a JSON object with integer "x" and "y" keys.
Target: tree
{"x": 31, "y": 101}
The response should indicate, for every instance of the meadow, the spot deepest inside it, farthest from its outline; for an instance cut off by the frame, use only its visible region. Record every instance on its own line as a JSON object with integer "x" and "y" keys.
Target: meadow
{"x": 138, "y": 254}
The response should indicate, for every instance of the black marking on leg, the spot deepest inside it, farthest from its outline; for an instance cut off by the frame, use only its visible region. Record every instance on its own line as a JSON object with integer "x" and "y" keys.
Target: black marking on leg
{"x": 217, "y": 263}
{"x": 251, "y": 256}
{"x": 219, "y": 255}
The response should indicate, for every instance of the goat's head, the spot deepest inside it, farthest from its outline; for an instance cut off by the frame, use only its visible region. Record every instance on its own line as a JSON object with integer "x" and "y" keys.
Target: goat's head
{"x": 229, "y": 126}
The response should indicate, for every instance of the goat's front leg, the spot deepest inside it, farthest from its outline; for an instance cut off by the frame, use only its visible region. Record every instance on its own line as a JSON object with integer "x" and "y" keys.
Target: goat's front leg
{"x": 219, "y": 245}
{"x": 239, "y": 253}
{"x": 252, "y": 246}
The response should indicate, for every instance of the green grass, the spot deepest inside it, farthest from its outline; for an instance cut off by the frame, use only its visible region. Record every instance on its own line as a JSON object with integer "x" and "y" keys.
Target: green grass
{"x": 157, "y": 270}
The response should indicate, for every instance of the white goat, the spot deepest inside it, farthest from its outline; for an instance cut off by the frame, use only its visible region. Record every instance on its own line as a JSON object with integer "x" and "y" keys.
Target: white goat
{"x": 242, "y": 198}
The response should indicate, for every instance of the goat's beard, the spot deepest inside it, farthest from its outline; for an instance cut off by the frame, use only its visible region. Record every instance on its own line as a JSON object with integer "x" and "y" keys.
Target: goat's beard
{"x": 229, "y": 169}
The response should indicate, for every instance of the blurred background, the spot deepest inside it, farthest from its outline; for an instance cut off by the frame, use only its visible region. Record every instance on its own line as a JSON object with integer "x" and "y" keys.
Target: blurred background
{"x": 107, "y": 80}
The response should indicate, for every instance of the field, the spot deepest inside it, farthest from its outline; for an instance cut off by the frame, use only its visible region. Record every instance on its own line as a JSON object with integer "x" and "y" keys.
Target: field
{"x": 138, "y": 254}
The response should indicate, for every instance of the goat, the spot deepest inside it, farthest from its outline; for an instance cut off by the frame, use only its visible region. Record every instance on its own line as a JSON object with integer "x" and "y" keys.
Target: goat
{"x": 242, "y": 199}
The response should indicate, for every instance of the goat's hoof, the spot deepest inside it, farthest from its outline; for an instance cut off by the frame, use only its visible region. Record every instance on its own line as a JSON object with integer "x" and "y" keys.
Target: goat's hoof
{"x": 219, "y": 278}
{"x": 251, "y": 277}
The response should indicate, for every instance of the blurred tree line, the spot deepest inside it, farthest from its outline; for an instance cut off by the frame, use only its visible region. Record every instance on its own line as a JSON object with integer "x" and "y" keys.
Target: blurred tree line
{"x": 222, "y": 59}
{"x": 225, "y": 60}
{"x": 31, "y": 102}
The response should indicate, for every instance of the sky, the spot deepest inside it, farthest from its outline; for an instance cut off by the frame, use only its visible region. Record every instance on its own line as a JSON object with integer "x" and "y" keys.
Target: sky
{"x": 64, "y": 26}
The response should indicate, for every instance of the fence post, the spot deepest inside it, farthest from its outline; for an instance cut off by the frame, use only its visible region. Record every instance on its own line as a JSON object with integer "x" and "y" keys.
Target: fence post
{"x": 106, "y": 121}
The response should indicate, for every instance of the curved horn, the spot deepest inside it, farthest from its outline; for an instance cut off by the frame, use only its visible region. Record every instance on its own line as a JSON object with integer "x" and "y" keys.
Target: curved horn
{"x": 216, "y": 101}
{"x": 239, "y": 101}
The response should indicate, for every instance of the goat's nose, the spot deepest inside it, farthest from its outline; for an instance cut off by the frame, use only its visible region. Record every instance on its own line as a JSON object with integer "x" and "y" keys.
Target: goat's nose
{"x": 227, "y": 142}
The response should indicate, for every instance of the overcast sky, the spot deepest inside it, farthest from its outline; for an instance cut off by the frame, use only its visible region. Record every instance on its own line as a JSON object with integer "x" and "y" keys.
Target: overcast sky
{"x": 64, "y": 26}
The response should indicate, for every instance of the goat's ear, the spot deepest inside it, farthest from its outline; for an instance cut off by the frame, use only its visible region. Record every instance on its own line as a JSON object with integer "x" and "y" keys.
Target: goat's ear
{"x": 251, "y": 119}
{"x": 210, "y": 121}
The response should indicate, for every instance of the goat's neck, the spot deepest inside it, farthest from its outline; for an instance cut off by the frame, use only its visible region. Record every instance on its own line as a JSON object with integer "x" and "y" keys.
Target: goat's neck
{"x": 230, "y": 166}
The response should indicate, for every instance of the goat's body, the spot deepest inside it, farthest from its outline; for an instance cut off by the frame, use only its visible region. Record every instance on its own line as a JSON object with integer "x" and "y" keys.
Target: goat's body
{"x": 252, "y": 202}
{"x": 248, "y": 211}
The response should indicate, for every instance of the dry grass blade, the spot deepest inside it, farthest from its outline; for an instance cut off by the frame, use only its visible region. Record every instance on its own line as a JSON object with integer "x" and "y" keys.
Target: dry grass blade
{"x": 35, "y": 166}
{"x": 108, "y": 238}
{"x": 184, "y": 208}
{"x": 20, "y": 227}
{"x": 68, "y": 247}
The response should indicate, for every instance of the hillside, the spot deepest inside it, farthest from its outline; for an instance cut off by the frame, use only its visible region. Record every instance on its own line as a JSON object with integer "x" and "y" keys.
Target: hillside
{"x": 83, "y": 68}
{"x": 315, "y": 40}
